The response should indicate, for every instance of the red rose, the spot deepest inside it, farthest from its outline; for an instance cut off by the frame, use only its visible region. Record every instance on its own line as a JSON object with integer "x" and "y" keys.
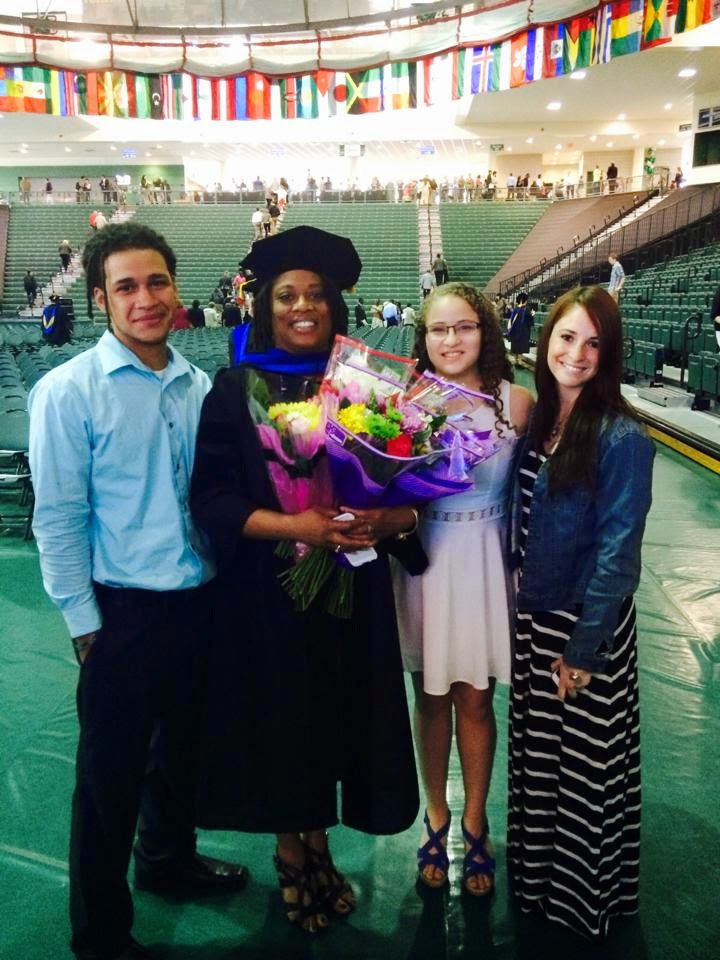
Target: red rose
{"x": 400, "y": 446}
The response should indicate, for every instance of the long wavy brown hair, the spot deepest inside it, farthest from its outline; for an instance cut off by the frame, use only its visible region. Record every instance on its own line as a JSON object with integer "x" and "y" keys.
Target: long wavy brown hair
{"x": 575, "y": 460}
{"x": 493, "y": 365}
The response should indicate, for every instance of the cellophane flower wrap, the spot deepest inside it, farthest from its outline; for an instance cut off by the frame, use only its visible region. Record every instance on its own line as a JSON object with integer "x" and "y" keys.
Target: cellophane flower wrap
{"x": 289, "y": 417}
{"x": 394, "y": 437}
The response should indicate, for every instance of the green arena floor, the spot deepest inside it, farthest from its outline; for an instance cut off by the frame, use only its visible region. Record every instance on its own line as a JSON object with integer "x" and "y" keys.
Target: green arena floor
{"x": 679, "y": 607}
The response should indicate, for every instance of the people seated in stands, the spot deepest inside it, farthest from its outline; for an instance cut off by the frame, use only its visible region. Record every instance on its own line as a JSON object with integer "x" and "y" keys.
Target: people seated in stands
{"x": 231, "y": 315}
{"x": 212, "y": 316}
{"x": 196, "y": 315}
{"x": 455, "y": 620}
{"x": 299, "y": 701}
{"x": 180, "y": 319}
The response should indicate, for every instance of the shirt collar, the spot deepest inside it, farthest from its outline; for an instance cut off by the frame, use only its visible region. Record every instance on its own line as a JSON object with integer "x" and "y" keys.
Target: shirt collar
{"x": 114, "y": 355}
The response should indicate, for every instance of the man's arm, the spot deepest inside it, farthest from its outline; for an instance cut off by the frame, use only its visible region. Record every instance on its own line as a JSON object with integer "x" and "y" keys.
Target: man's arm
{"x": 60, "y": 461}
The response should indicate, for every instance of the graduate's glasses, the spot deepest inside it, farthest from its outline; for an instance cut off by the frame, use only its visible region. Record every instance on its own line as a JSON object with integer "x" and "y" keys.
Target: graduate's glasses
{"x": 440, "y": 331}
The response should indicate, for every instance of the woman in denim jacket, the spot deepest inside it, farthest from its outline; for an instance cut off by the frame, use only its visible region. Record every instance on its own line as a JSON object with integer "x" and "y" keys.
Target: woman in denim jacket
{"x": 582, "y": 492}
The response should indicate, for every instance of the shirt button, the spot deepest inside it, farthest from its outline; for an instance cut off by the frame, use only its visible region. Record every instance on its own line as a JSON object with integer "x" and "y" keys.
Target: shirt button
{"x": 171, "y": 424}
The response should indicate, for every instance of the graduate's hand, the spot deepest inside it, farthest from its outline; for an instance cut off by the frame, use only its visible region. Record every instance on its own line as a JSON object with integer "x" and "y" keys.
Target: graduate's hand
{"x": 318, "y": 528}
{"x": 570, "y": 679}
{"x": 379, "y": 523}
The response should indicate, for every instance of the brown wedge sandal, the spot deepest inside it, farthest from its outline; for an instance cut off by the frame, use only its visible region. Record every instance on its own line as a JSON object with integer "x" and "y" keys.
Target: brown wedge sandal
{"x": 298, "y": 889}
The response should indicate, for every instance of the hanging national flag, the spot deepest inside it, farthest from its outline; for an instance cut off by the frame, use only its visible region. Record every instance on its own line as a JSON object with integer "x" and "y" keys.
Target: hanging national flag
{"x": 579, "y": 44}
{"x": 307, "y": 97}
{"x": 288, "y": 98}
{"x": 399, "y": 86}
{"x": 105, "y": 93}
{"x": 143, "y": 96}
{"x": 241, "y": 98}
{"x": 553, "y": 44}
{"x": 500, "y": 73}
{"x": 56, "y": 93}
{"x": 332, "y": 93}
{"x": 692, "y": 13}
{"x": 10, "y": 91}
{"x": 33, "y": 89}
{"x": 437, "y": 75}
{"x": 627, "y": 26}
{"x": 526, "y": 57}
{"x": 156, "y": 97}
{"x": 460, "y": 73}
{"x": 364, "y": 91}
{"x": 258, "y": 97}
{"x": 659, "y": 22}
{"x": 603, "y": 35}
{"x": 203, "y": 88}
{"x": 482, "y": 58}
{"x": 67, "y": 93}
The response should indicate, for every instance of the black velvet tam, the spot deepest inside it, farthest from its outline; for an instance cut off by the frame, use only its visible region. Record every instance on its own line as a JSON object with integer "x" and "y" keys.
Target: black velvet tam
{"x": 305, "y": 248}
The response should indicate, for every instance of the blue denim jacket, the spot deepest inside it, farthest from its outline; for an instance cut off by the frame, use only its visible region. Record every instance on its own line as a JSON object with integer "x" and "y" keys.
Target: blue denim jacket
{"x": 583, "y": 546}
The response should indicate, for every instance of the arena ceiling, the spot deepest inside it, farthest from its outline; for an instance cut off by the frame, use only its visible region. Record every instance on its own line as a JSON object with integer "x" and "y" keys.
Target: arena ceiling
{"x": 637, "y": 100}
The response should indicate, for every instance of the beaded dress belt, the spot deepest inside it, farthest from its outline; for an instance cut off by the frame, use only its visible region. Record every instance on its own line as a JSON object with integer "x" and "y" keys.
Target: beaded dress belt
{"x": 462, "y": 516}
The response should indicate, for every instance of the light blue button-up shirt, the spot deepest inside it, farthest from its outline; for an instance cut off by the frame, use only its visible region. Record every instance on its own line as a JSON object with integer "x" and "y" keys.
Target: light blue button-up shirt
{"x": 111, "y": 451}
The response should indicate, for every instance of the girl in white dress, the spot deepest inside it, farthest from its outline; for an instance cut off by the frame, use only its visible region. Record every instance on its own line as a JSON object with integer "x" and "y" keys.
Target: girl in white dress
{"x": 455, "y": 620}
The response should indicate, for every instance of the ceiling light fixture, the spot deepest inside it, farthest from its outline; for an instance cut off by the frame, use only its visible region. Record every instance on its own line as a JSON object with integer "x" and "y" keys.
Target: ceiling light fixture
{"x": 578, "y": 75}
{"x": 668, "y": 106}
{"x": 687, "y": 72}
{"x": 553, "y": 105}
{"x": 529, "y": 140}
{"x": 593, "y": 138}
{"x": 622, "y": 116}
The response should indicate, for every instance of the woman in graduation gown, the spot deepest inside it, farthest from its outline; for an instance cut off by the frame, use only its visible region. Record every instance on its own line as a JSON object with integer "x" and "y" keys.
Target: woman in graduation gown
{"x": 299, "y": 702}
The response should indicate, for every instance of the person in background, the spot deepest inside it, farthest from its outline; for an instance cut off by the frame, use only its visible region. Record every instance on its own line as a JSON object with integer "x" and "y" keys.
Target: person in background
{"x": 456, "y": 619}
{"x": 212, "y": 317}
{"x": 30, "y": 286}
{"x": 376, "y": 313}
{"x": 114, "y": 428}
{"x": 231, "y": 315}
{"x": 440, "y": 269}
{"x": 56, "y": 327}
{"x": 390, "y": 314}
{"x": 408, "y": 316}
{"x": 196, "y": 315}
{"x": 48, "y": 190}
{"x": 427, "y": 283}
{"x": 180, "y": 318}
{"x": 677, "y": 180}
{"x": 65, "y": 253}
{"x": 617, "y": 277}
{"x": 519, "y": 327}
{"x": 583, "y": 480}
{"x": 300, "y": 701}
{"x": 360, "y": 313}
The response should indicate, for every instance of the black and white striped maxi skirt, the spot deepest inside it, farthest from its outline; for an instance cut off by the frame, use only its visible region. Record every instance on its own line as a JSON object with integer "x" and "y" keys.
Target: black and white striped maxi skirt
{"x": 574, "y": 779}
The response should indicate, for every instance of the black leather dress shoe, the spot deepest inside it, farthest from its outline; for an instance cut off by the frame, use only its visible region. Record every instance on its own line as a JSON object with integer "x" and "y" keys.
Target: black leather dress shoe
{"x": 199, "y": 876}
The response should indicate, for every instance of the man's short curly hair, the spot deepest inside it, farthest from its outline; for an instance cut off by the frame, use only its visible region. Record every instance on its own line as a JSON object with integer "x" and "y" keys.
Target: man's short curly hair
{"x": 114, "y": 238}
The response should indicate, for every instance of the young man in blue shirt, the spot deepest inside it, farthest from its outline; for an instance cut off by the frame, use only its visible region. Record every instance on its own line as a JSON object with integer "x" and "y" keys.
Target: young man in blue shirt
{"x": 112, "y": 441}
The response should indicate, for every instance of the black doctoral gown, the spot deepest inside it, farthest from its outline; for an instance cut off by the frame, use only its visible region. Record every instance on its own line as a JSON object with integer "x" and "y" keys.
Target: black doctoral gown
{"x": 297, "y": 702}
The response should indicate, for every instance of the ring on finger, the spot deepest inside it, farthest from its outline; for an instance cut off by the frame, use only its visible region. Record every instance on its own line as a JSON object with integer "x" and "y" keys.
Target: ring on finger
{"x": 337, "y": 548}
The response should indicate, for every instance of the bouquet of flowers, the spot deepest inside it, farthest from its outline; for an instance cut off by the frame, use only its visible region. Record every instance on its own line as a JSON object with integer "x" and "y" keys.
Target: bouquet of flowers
{"x": 394, "y": 437}
{"x": 372, "y": 434}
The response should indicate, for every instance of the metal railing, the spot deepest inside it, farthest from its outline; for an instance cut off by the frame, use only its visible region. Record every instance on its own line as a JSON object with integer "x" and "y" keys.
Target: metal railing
{"x": 660, "y": 235}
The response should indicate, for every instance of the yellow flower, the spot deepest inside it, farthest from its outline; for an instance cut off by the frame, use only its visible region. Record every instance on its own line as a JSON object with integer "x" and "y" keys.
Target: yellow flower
{"x": 354, "y": 418}
{"x": 304, "y": 413}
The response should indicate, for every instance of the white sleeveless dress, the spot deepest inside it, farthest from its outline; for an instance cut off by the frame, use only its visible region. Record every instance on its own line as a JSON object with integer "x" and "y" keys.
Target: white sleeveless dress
{"x": 455, "y": 620}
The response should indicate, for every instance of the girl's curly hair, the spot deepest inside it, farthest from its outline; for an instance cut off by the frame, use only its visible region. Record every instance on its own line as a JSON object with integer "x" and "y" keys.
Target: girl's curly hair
{"x": 493, "y": 365}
